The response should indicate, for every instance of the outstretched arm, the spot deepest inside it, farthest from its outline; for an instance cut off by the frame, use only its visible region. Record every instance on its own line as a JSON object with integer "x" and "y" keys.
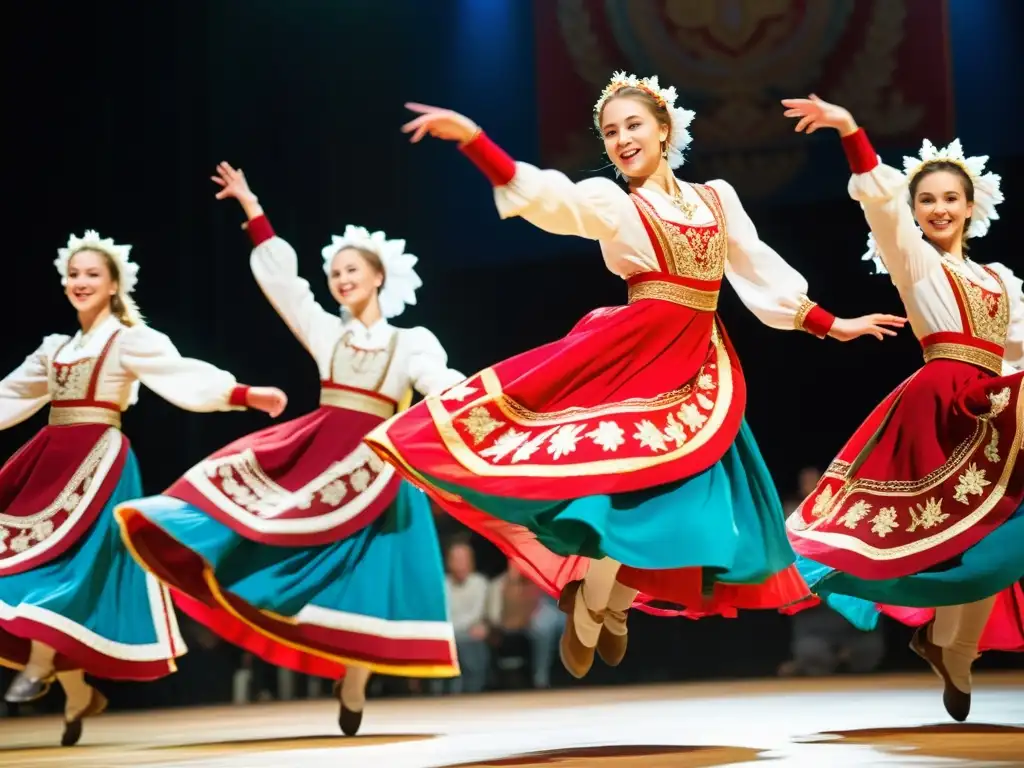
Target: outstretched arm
{"x": 26, "y": 389}
{"x": 880, "y": 189}
{"x": 777, "y": 293}
{"x": 593, "y": 208}
{"x": 275, "y": 266}
{"x": 188, "y": 383}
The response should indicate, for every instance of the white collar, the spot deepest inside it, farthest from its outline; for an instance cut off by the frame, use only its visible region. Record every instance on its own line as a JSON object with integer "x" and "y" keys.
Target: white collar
{"x": 350, "y": 323}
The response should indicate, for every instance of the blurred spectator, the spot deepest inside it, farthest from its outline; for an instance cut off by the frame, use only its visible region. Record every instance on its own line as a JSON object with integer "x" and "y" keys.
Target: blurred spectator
{"x": 823, "y": 641}
{"x": 467, "y": 601}
{"x": 518, "y": 610}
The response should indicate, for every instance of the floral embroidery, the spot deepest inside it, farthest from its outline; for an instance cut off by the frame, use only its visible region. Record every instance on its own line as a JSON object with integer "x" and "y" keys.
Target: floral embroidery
{"x": 459, "y": 392}
{"x": 479, "y": 424}
{"x": 884, "y": 522}
{"x": 822, "y": 502}
{"x": 930, "y": 515}
{"x": 608, "y": 435}
{"x": 855, "y": 514}
{"x": 970, "y": 482}
{"x": 34, "y": 529}
{"x": 241, "y": 480}
{"x": 992, "y": 449}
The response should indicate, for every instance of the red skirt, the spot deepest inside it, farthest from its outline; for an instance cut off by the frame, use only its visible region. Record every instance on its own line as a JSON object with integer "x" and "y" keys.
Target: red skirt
{"x": 52, "y": 490}
{"x": 306, "y": 482}
{"x": 634, "y": 398}
{"x": 934, "y": 470}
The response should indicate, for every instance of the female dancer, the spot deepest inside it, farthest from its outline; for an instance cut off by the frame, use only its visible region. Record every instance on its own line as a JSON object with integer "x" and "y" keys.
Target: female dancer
{"x": 298, "y": 543}
{"x": 922, "y": 507}
{"x": 70, "y": 601}
{"x": 624, "y": 442}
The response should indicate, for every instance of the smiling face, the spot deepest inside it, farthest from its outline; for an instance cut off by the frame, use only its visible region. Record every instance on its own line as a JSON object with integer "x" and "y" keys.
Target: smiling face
{"x": 634, "y": 129}
{"x": 943, "y": 198}
{"x": 356, "y": 276}
{"x": 90, "y": 281}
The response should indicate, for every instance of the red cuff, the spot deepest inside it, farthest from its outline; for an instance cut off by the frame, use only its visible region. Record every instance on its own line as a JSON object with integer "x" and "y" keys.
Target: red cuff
{"x": 859, "y": 152}
{"x": 818, "y": 321}
{"x": 240, "y": 394}
{"x": 493, "y": 161}
{"x": 259, "y": 230}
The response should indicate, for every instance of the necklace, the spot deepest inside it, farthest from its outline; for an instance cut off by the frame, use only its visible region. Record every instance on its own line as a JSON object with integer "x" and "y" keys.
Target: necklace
{"x": 685, "y": 206}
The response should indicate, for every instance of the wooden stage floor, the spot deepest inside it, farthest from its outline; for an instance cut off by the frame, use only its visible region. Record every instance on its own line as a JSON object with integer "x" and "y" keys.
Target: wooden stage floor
{"x": 841, "y": 721}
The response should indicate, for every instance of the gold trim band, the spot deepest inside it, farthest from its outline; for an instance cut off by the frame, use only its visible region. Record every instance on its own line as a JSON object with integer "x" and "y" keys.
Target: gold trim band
{"x": 694, "y": 298}
{"x": 357, "y": 401}
{"x": 990, "y": 361}
{"x": 70, "y": 416}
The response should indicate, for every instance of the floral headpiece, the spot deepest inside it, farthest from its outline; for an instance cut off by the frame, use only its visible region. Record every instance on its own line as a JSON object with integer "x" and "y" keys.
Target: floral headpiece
{"x": 987, "y": 192}
{"x": 401, "y": 280}
{"x": 127, "y": 269}
{"x": 680, "y": 137}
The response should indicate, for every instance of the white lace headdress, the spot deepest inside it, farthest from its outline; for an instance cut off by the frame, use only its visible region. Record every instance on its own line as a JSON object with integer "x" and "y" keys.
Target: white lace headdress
{"x": 680, "y": 137}
{"x": 400, "y": 278}
{"x": 128, "y": 270}
{"x": 987, "y": 192}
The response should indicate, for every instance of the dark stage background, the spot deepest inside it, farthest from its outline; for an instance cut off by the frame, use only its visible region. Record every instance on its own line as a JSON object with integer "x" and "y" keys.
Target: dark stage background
{"x": 116, "y": 113}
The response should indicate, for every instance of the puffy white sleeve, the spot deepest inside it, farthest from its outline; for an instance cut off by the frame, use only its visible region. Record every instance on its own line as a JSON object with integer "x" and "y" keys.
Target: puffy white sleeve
{"x": 428, "y": 363}
{"x": 26, "y": 389}
{"x": 190, "y": 384}
{"x": 593, "y": 208}
{"x": 769, "y": 287}
{"x": 884, "y": 196}
{"x": 1014, "y": 354}
{"x": 276, "y": 269}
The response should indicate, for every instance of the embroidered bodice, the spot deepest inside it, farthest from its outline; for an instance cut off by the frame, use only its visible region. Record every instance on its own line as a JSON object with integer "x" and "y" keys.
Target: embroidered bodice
{"x": 688, "y": 250}
{"x": 713, "y": 237}
{"x": 78, "y": 380}
{"x": 106, "y": 366}
{"x": 984, "y": 309}
{"x": 941, "y": 294}
{"x": 363, "y": 365}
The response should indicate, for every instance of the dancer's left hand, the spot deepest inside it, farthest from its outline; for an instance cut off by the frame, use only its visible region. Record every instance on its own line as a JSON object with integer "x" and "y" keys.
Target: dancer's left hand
{"x": 270, "y": 400}
{"x": 877, "y": 325}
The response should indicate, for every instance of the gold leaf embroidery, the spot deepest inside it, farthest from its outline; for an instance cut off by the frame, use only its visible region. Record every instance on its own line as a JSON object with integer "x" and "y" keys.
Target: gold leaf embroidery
{"x": 479, "y": 424}
{"x": 822, "y": 502}
{"x": 884, "y": 522}
{"x": 970, "y": 482}
{"x": 929, "y": 516}
{"x": 855, "y": 514}
{"x": 992, "y": 449}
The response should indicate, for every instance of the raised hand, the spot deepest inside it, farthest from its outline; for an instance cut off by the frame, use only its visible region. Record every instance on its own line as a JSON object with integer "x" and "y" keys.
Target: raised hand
{"x": 232, "y": 183}
{"x": 439, "y": 123}
{"x": 270, "y": 400}
{"x": 815, "y": 113}
{"x": 877, "y": 325}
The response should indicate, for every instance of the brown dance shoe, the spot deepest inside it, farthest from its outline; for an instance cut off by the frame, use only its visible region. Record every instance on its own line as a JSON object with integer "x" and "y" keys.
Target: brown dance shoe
{"x": 576, "y": 657}
{"x": 348, "y": 720}
{"x": 957, "y": 703}
{"x": 610, "y": 646}
{"x": 73, "y": 727}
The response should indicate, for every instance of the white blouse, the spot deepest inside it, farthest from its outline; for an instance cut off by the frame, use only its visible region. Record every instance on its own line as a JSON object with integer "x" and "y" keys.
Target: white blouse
{"x": 599, "y": 209}
{"x": 140, "y": 354}
{"x": 362, "y": 356}
{"x": 916, "y": 267}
